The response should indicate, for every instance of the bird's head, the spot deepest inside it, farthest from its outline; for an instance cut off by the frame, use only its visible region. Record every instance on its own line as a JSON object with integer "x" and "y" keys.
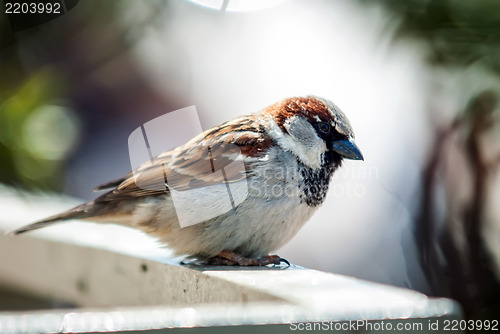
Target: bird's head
{"x": 314, "y": 129}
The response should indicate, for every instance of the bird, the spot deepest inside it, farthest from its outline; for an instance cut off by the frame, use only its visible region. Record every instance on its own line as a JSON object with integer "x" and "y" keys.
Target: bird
{"x": 285, "y": 156}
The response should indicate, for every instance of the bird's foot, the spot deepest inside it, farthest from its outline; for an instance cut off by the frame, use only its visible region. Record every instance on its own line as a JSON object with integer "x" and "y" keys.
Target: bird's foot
{"x": 229, "y": 258}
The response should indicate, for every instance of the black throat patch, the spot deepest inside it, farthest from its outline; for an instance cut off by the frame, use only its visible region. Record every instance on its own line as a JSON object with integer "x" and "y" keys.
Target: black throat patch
{"x": 317, "y": 181}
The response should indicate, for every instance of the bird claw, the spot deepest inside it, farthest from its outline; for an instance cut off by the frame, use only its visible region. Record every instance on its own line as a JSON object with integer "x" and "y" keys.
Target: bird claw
{"x": 228, "y": 258}
{"x": 285, "y": 261}
{"x": 220, "y": 261}
{"x": 269, "y": 259}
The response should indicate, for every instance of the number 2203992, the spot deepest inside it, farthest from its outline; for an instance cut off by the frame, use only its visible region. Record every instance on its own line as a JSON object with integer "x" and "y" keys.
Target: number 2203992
{"x": 32, "y": 8}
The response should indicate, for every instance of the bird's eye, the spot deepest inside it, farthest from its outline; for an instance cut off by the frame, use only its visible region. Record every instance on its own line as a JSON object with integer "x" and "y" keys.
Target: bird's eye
{"x": 324, "y": 127}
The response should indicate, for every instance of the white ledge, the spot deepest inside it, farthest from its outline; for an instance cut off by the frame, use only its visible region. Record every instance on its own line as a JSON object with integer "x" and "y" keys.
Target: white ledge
{"x": 122, "y": 280}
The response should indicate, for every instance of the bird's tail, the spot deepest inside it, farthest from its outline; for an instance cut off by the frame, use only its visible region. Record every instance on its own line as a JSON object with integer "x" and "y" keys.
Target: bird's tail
{"x": 78, "y": 212}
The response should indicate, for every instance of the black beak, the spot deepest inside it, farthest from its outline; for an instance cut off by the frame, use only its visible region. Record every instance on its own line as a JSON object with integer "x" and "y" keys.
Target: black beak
{"x": 347, "y": 149}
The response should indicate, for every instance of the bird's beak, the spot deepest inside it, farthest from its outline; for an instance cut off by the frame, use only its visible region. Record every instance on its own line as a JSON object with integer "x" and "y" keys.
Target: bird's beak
{"x": 348, "y": 149}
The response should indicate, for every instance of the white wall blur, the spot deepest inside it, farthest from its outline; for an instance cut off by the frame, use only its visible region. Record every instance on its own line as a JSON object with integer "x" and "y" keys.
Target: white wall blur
{"x": 233, "y": 63}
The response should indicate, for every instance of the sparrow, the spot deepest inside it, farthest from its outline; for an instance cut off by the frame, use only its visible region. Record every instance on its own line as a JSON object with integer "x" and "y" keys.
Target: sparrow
{"x": 285, "y": 156}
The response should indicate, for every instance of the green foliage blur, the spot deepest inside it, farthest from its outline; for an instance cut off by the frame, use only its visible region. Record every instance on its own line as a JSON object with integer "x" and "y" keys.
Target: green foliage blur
{"x": 39, "y": 70}
{"x": 36, "y": 132}
{"x": 46, "y": 71}
{"x": 458, "y": 33}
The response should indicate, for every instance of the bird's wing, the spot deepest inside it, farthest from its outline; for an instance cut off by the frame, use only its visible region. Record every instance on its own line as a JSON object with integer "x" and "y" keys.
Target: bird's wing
{"x": 216, "y": 156}
{"x": 109, "y": 184}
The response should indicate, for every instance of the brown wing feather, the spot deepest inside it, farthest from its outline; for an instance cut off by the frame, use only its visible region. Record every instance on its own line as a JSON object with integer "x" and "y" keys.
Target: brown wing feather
{"x": 110, "y": 184}
{"x": 194, "y": 164}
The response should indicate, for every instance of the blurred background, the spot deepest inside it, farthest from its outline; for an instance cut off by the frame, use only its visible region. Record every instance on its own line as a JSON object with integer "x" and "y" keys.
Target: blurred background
{"x": 419, "y": 80}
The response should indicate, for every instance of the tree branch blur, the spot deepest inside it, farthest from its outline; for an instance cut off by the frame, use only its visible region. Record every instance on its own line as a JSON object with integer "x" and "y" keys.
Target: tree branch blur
{"x": 459, "y": 36}
{"x": 462, "y": 271}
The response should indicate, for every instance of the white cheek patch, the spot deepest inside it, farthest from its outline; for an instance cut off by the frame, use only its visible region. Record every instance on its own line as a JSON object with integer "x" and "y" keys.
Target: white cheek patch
{"x": 302, "y": 140}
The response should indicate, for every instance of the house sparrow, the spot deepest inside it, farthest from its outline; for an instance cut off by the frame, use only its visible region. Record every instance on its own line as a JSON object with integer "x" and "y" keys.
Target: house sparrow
{"x": 289, "y": 150}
